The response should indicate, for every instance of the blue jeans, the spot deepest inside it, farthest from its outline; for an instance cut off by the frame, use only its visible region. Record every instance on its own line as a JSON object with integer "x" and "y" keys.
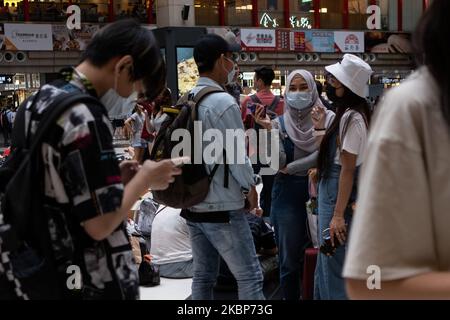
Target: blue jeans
{"x": 328, "y": 281}
{"x": 288, "y": 215}
{"x": 232, "y": 241}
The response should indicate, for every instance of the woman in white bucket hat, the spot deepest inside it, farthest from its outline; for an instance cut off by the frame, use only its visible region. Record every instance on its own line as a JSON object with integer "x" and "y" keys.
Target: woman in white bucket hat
{"x": 340, "y": 156}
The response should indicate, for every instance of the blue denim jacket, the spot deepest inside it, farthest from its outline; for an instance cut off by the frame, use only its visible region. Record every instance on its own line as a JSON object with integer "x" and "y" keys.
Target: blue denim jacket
{"x": 220, "y": 111}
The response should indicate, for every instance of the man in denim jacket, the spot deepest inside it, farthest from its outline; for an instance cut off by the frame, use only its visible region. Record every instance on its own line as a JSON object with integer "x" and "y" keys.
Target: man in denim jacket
{"x": 218, "y": 226}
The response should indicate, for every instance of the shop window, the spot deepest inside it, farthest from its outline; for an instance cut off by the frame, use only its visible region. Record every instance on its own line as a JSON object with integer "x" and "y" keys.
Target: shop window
{"x": 331, "y": 14}
{"x": 357, "y": 14}
{"x": 302, "y": 14}
{"x": 238, "y": 12}
{"x": 11, "y": 10}
{"x": 206, "y": 13}
{"x": 136, "y": 9}
{"x": 271, "y": 13}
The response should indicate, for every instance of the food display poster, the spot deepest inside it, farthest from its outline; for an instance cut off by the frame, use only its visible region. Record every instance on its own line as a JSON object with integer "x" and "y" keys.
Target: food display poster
{"x": 29, "y": 37}
{"x": 388, "y": 42}
{"x": 72, "y": 40}
{"x": 186, "y": 69}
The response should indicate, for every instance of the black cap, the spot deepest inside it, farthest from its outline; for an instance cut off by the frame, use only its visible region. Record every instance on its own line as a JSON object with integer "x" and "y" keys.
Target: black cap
{"x": 210, "y": 47}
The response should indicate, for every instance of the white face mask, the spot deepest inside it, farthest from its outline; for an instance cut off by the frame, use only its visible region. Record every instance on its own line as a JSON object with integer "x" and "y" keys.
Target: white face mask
{"x": 231, "y": 74}
{"x": 118, "y": 107}
{"x": 299, "y": 100}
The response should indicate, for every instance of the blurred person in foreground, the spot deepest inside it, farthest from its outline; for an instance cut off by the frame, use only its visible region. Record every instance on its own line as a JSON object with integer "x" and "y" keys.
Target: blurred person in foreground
{"x": 401, "y": 222}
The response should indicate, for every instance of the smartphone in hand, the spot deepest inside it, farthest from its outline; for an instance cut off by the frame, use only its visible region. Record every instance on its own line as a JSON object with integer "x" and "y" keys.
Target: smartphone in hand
{"x": 253, "y": 107}
{"x": 179, "y": 162}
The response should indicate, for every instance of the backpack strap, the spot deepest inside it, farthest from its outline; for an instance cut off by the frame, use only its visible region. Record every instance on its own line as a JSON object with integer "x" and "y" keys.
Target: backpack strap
{"x": 273, "y": 106}
{"x": 282, "y": 124}
{"x": 255, "y": 99}
{"x": 226, "y": 170}
{"x": 202, "y": 94}
{"x": 346, "y": 125}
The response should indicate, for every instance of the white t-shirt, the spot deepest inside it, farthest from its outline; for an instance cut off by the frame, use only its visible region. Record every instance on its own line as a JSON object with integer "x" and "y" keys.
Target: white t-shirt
{"x": 138, "y": 125}
{"x": 170, "y": 238}
{"x": 355, "y": 139}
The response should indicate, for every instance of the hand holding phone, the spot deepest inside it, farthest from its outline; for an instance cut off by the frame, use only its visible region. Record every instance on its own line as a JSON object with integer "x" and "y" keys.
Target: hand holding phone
{"x": 252, "y": 107}
{"x": 179, "y": 162}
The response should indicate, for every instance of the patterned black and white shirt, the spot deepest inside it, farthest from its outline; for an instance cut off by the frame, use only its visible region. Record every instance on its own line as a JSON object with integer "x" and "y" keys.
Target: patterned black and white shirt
{"x": 83, "y": 181}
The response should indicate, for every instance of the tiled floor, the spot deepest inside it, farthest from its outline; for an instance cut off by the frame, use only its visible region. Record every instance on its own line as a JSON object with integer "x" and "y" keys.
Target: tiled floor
{"x": 169, "y": 289}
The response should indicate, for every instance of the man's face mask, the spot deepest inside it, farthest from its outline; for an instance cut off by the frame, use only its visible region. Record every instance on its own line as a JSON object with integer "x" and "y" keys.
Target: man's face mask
{"x": 231, "y": 73}
{"x": 117, "y": 105}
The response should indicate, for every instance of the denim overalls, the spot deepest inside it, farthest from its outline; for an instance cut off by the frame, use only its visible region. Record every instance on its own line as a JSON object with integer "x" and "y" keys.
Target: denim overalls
{"x": 288, "y": 215}
{"x": 328, "y": 281}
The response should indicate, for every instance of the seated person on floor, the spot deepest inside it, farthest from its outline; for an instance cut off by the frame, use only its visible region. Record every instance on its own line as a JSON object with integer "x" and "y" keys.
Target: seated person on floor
{"x": 170, "y": 245}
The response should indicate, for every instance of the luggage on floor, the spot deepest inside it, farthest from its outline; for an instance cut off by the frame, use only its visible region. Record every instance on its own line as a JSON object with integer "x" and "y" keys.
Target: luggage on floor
{"x": 308, "y": 273}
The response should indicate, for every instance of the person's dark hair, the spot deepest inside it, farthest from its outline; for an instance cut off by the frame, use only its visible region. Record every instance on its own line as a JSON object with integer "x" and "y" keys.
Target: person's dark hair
{"x": 319, "y": 87}
{"x": 265, "y": 74}
{"x": 163, "y": 100}
{"x": 128, "y": 37}
{"x": 432, "y": 51}
{"x": 208, "y": 50}
{"x": 351, "y": 101}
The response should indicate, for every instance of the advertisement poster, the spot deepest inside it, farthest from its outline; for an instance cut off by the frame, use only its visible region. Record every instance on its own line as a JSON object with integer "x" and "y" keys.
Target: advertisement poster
{"x": 312, "y": 41}
{"x": 258, "y": 39}
{"x": 320, "y": 41}
{"x": 29, "y": 37}
{"x": 388, "y": 42}
{"x": 298, "y": 41}
{"x": 283, "y": 40}
{"x": 186, "y": 69}
{"x": 351, "y": 42}
{"x": 72, "y": 40}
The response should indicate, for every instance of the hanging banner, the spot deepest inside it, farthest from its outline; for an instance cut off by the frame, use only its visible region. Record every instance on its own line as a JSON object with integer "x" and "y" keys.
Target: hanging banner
{"x": 258, "y": 39}
{"x": 349, "y": 41}
{"x": 29, "y": 37}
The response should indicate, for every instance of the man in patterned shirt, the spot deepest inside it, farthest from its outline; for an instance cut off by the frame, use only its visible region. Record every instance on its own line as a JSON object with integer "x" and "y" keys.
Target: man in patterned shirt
{"x": 86, "y": 195}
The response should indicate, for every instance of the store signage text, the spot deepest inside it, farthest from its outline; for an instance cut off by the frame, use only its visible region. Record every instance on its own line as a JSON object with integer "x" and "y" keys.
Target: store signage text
{"x": 268, "y": 22}
{"x": 74, "y": 19}
{"x": 374, "y": 21}
{"x": 302, "y": 23}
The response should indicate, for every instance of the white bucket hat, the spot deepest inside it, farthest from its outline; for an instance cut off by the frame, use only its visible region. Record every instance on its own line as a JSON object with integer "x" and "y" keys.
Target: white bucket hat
{"x": 353, "y": 73}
